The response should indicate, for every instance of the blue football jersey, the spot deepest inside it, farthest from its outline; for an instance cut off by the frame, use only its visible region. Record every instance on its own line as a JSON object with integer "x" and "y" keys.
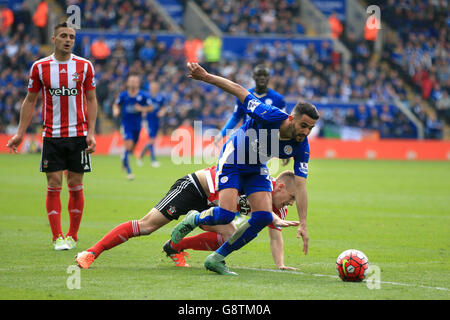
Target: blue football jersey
{"x": 271, "y": 97}
{"x": 131, "y": 118}
{"x": 158, "y": 103}
{"x": 257, "y": 140}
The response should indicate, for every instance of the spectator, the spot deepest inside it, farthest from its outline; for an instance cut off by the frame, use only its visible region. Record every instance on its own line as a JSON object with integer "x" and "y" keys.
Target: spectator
{"x": 40, "y": 19}
{"x": 6, "y": 19}
{"x": 212, "y": 48}
{"x": 193, "y": 49}
{"x": 100, "y": 50}
{"x": 336, "y": 27}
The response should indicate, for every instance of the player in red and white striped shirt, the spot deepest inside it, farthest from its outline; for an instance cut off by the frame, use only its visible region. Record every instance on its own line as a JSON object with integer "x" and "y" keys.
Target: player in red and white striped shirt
{"x": 69, "y": 112}
{"x": 195, "y": 191}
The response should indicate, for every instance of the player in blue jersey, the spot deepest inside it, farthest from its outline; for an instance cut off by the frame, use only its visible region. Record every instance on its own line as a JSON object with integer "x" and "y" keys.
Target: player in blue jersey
{"x": 261, "y": 76}
{"x": 269, "y": 133}
{"x": 152, "y": 117}
{"x": 131, "y": 103}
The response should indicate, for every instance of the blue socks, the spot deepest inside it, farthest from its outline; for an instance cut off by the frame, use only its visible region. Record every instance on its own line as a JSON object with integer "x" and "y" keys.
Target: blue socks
{"x": 125, "y": 162}
{"x": 152, "y": 154}
{"x": 246, "y": 232}
{"x": 213, "y": 216}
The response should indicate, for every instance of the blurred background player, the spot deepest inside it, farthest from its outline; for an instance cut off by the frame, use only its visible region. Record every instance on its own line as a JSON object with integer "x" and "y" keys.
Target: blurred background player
{"x": 194, "y": 191}
{"x": 130, "y": 104}
{"x": 152, "y": 114}
{"x": 261, "y": 76}
{"x": 69, "y": 114}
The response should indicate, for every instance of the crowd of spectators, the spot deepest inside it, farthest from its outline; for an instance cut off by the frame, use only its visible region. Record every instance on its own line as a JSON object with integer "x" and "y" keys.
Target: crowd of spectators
{"x": 19, "y": 47}
{"x": 119, "y": 15}
{"x": 316, "y": 74}
{"x": 420, "y": 47}
{"x": 239, "y": 17}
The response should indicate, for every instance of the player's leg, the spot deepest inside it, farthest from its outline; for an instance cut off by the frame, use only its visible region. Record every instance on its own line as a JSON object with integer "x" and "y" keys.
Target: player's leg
{"x": 122, "y": 233}
{"x": 129, "y": 147}
{"x": 210, "y": 240}
{"x": 223, "y": 214}
{"x": 153, "y": 131}
{"x": 183, "y": 194}
{"x": 228, "y": 182}
{"x": 53, "y": 206}
{"x": 258, "y": 187}
{"x": 75, "y": 206}
{"x": 78, "y": 162}
{"x": 261, "y": 203}
{"x": 52, "y": 164}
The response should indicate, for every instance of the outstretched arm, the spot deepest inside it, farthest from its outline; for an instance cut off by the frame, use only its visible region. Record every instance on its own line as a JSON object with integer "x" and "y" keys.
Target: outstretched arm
{"x": 198, "y": 73}
{"x": 301, "y": 199}
{"x": 277, "y": 248}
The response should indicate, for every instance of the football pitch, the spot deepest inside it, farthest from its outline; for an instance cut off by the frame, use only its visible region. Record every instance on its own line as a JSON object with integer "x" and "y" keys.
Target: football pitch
{"x": 396, "y": 212}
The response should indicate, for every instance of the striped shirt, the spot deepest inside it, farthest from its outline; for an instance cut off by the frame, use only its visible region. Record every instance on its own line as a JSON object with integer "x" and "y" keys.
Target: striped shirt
{"x": 63, "y": 85}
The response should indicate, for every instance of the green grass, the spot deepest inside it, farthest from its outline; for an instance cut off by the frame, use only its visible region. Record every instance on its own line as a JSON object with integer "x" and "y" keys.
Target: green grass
{"x": 397, "y": 212}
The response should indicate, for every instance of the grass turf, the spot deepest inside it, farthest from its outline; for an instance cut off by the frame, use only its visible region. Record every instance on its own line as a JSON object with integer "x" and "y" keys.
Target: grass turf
{"x": 396, "y": 212}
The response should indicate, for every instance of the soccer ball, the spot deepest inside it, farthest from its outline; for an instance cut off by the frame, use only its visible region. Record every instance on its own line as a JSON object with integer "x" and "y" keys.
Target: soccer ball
{"x": 352, "y": 265}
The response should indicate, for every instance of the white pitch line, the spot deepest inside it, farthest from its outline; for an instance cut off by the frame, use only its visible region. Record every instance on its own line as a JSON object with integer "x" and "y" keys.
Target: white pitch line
{"x": 336, "y": 277}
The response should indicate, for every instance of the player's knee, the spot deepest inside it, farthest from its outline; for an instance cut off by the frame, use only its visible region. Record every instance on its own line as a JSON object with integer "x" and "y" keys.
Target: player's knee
{"x": 152, "y": 222}
{"x": 260, "y": 218}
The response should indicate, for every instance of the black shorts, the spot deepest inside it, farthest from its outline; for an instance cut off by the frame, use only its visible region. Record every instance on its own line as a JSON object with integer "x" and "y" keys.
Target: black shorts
{"x": 185, "y": 194}
{"x": 65, "y": 154}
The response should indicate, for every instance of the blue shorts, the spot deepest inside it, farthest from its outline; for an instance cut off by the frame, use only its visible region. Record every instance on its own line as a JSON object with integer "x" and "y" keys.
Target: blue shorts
{"x": 131, "y": 134}
{"x": 153, "y": 130}
{"x": 246, "y": 179}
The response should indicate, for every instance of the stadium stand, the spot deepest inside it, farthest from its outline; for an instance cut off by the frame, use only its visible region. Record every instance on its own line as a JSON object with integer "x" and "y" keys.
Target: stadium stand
{"x": 357, "y": 95}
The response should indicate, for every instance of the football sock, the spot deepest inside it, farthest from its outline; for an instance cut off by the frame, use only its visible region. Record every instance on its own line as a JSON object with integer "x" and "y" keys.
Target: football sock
{"x": 144, "y": 150}
{"x": 76, "y": 205}
{"x": 246, "y": 232}
{"x": 125, "y": 161}
{"x": 116, "y": 236}
{"x": 53, "y": 206}
{"x": 214, "y": 216}
{"x": 206, "y": 241}
{"x": 152, "y": 154}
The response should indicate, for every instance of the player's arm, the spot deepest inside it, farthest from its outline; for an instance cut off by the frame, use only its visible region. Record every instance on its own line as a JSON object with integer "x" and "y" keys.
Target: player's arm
{"x": 301, "y": 200}
{"x": 92, "y": 106}
{"x": 277, "y": 248}
{"x": 198, "y": 73}
{"x": 26, "y": 114}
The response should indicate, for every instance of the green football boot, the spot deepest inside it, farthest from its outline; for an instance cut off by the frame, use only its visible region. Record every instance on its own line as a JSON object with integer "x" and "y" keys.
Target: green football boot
{"x": 214, "y": 264}
{"x": 184, "y": 227}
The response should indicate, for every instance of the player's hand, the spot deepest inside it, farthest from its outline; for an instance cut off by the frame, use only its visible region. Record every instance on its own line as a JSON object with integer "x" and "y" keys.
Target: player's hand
{"x": 285, "y": 223}
{"x": 14, "y": 143}
{"x": 196, "y": 71}
{"x": 287, "y": 268}
{"x": 92, "y": 144}
{"x": 302, "y": 232}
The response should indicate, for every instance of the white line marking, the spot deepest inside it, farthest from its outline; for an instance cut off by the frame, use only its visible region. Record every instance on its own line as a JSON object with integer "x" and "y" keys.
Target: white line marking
{"x": 336, "y": 277}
